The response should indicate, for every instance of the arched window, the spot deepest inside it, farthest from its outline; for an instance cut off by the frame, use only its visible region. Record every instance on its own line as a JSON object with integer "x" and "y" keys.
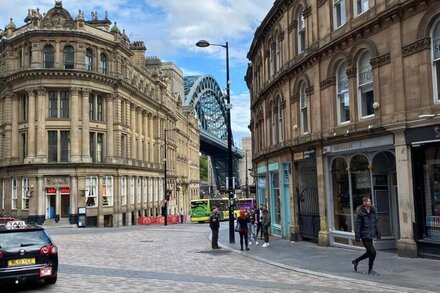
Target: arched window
{"x": 303, "y": 106}
{"x": 343, "y": 97}
{"x": 277, "y": 53}
{"x": 301, "y": 31}
{"x": 48, "y": 56}
{"x": 436, "y": 61}
{"x": 68, "y": 57}
{"x": 277, "y": 121}
{"x": 365, "y": 86}
{"x": 89, "y": 59}
{"x": 103, "y": 64}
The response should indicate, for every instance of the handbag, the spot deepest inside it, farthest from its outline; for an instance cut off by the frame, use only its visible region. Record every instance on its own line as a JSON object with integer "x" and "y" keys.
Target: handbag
{"x": 237, "y": 227}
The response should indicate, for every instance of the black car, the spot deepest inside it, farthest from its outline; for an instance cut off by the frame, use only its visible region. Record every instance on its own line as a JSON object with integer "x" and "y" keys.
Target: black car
{"x": 26, "y": 254}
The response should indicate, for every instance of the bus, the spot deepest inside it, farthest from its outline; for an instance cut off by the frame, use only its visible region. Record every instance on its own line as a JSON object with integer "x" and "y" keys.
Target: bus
{"x": 201, "y": 209}
{"x": 244, "y": 204}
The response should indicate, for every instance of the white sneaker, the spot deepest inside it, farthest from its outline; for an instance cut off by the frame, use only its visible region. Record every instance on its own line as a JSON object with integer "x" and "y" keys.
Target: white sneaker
{"x": 268, "y": 244}
{"x": 256, "y": 243}
{"x": 264, "y": 245}
{"x": 250, "y": 243}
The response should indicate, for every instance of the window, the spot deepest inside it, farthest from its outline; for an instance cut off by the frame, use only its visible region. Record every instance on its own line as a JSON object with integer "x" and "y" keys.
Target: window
{"x": 275, "y": 196}
{"x": 92, "y": 191}
{"x": 25, "y": 192}
{"x": 365, "y": 86}
{"x": 96, "y": 147}
{"x": 360, "y": 6}
{"x": 59, "y": 104}
{"x": 301, "y": 31}
{"x": 61, "y": 152}
{"x": 139, "y": 190}
{"x": 303, "y": 105}
{"x": 144, "y": 189}
{"x": 107, "y": 191}
{"x": 68, "y": 57}
{"x": 339, "y": 13}
{"x": 14, "y": 194}
{"x": 123, "y": 180}
{"x": 131, "y": 190}
{"x": 436, "y": 61}
{"x": 48, "y": 56}
{"x": 89, "y": 59}
{"x": 96, "y": 107}
{"x": 343, "y": 97}
{"x": 23, "y": 145}
{"x": 30, "y": 57}
{"x": 275, "y": 129}
{"x": 24, "y": 100}
{"x": 103, "y": 64}
{"x": 278, "y": 55}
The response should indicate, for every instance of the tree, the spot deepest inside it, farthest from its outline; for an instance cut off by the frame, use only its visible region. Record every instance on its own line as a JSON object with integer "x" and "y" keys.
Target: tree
{"x": 203, "y": 168}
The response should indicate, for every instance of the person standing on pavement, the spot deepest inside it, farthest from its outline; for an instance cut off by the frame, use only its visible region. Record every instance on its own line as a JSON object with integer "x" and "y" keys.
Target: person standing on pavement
{"x": 214, "y": 224}
{"x": 251, "y": 227}
{"x": 265, "y": 222}
{"x": 243, "y": 221}
{"x": 259, "y": 213}
{"x": 182, "y": 215}
{"x": 366, "y": 230}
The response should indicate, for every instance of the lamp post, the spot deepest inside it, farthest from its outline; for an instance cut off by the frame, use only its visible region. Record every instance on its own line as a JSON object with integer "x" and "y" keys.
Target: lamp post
{"x": 230, "y": 180}
{"x": 166, "y": 196}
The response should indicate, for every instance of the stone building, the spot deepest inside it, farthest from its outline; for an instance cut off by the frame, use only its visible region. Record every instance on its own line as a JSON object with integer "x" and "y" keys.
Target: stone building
{"x": 83, "y": 115}
{"x": 245, "y": 167}
{"x": 345, "y": 103}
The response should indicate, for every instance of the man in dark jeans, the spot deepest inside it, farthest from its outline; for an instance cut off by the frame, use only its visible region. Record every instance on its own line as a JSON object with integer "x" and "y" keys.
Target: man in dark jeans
{"x": 258, "y": 215}
{"x": 214, "y": 224}
{"x": 366, "y": 230}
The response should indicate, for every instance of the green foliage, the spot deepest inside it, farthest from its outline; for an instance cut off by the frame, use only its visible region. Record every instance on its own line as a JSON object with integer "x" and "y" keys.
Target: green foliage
{"x": 203, "y": 168}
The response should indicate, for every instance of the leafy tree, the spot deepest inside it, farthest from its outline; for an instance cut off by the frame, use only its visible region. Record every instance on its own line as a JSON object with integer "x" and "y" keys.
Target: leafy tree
{"x": 203, "y": 168}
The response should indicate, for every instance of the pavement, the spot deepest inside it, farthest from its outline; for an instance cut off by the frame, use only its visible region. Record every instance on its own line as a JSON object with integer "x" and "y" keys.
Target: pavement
{"x": 419, "y": 274}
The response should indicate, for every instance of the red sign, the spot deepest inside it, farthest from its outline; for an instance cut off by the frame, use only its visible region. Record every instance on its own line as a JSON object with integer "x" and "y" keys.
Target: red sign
{"x": 51, "y": 190}
{"x": 65, "y": 189}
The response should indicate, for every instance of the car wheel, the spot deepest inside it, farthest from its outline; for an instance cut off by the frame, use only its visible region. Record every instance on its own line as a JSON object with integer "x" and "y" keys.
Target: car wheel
{"x": 50, "y": 281}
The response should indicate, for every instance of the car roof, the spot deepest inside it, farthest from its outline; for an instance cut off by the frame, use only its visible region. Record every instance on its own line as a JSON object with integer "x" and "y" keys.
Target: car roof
{"x": 19, "y": 226}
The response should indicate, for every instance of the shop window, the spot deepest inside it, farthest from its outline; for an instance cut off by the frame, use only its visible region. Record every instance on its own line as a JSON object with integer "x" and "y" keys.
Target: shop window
{"x": 436, "y": 61}
{"x": 48, "y": 56}
{"x": 107, "y": 191}
{"x": 360, "y": 179}
{"x": 343, "y": 97}
{"x": 432, "y": 194}
{"x": 139, "y": 190}
{"x": 92, "y": 191}
{"x": 365, "y": 86}
{"x": 25, "y": 193}
{"x": 68, "y": 57}
{"x": 275, "y": 197}
{"x": 144, "y": 190}
{"x": 341, "y": 196}
{"x": 14, "y": 194}
{"x": 123, "y": 182}
{"x": 131, "y": 190}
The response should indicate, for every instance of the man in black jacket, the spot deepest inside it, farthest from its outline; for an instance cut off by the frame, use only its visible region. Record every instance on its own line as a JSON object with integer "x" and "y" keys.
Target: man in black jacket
{"x": 214, "y": 224}
{"x": 366, "y": 230}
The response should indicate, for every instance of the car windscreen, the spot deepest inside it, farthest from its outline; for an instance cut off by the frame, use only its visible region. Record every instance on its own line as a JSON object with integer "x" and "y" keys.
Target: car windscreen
{"x": 23, "y": 239}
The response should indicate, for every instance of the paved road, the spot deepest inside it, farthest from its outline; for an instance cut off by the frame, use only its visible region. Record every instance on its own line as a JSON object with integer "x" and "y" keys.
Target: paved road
{"x": 175, "y": 258}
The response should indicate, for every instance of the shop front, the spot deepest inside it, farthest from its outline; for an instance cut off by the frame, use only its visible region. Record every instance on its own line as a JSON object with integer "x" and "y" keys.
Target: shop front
{"x": 356, "y": 169}
{"x": 425, "y": 151}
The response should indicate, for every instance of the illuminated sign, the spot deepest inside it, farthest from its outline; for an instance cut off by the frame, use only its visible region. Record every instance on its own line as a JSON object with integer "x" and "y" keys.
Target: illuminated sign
{"x": 65, "y": 189}
{"x": 51, "y": 190}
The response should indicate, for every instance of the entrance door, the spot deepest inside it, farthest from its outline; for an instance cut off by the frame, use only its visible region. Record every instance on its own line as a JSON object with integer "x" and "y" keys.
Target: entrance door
{"x": 51, "y": 204}
{"x": 308, "y": 205}
{"x": 65, "y": 205}
{"x": 286, "y": 217}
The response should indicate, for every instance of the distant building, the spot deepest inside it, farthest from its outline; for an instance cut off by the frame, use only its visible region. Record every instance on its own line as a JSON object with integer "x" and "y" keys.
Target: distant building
{"x": 245, "y": 166}
{"x": 82, "y": 120}
{"x": 344, "y": 104}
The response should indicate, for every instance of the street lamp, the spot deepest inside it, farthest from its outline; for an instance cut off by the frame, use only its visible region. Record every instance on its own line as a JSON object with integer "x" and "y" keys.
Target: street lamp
{"x": 230, "y": 180}
{"x": 166, "y": 197}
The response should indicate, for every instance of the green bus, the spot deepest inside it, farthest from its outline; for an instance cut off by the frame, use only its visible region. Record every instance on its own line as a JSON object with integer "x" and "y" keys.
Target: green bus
{"x": 201, "y": 209}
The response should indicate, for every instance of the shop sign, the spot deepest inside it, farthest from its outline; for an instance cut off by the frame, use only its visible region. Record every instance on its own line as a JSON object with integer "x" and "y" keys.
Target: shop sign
{"x": 65, "y": 189}
{"x": 51, "y": 190}
{"x": 305, "y": 155}
{"x": 423, "y": 134}
{"x": 359, "y": 144}
{"x": 261, "y": 182}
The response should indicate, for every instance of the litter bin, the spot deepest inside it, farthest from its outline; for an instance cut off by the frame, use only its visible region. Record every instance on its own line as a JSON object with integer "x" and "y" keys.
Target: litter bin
{"x": 82, "y": 217}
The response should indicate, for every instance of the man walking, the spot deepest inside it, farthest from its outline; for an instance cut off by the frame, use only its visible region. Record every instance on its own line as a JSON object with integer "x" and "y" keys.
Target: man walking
{"x": 366, "y": 230}
{"x": 265, "y": 222}
{"x": 214, "y": 224}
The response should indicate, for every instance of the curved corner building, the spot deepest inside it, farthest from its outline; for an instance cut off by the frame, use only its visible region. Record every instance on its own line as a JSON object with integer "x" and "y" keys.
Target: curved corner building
{"x": 83, "y": 115}
{"x": 345, "y": 103}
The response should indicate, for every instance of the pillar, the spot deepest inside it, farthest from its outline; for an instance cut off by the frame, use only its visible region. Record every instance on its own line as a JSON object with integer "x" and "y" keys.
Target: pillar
{"x": 14, "y": 129}
{"x": 140, "y": 152}
{"x": 41, "y": 126}
{"x": 75, "y": 156}
{"x": 85, "y": 147}
{"x": 31, "y": 127}
{"x": 109, "y": 136}
{"x": 133, "y": 155}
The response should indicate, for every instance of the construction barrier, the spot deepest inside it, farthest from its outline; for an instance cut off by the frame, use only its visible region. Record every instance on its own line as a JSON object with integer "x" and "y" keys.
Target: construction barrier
{"x": 141, "y": 221}
{"x": 159, "y": 220}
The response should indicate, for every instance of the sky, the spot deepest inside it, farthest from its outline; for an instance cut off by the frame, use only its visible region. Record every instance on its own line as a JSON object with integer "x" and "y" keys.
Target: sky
{"x": 170, "y": 29}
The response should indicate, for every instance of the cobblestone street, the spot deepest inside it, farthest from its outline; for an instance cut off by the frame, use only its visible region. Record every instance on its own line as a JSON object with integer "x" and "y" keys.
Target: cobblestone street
{"x": 175, "y": 258}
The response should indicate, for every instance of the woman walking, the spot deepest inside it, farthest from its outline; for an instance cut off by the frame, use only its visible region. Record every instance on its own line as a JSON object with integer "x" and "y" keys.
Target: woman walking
{"x": 243, "y": 221}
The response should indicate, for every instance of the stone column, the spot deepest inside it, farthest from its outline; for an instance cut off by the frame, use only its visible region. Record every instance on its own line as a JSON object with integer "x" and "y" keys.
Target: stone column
{"x": 140, "y": 152}
{"x": 133, "y": 155}
{"x": 100, "y": 215}
{"x": 145, "y": 145}
{"x": 14, "y": 129}
{"x": 58, "y": 205}
{"x": 85, "y": 147}
{"x": 73, "y": 217}
{"x": 40, "y": 192}
{"x": 109, "y": 136}
{"x": 75, "y": 155}
{"x": 151, "y": 138}
{"x": 41, "y": 126}
{"x": 31, "y": 127}
{"x": 406, "y": 245}
{"x": 323, "y": 236}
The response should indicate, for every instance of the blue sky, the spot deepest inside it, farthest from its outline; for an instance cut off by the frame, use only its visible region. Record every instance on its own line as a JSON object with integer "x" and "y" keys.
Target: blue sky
{"x": 170, "y": 29}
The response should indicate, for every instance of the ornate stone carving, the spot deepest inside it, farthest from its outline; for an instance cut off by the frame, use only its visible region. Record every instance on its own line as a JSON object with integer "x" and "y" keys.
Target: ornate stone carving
{"x": 41, "y": 91}
{"x": 310, "y": 90}
{"x": 381, "y": 60}
{"x": 307, "y": 12}
{"x": 281, "y": 36}
{"x": 291, "y": 27}
{"x": 327, "y": 82}
{"x": 294, "y": 98}
{"x": 351, "y": 72}
{"x": 86, "y": 92}
{"x": 57, "y": 17}
{"x": 30, "y": 91}
{"x": 319, "y": 3}
{"x": 417, "y": 46}
{"x": 57, "y": 180}
{"x": 74, "y": 91}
